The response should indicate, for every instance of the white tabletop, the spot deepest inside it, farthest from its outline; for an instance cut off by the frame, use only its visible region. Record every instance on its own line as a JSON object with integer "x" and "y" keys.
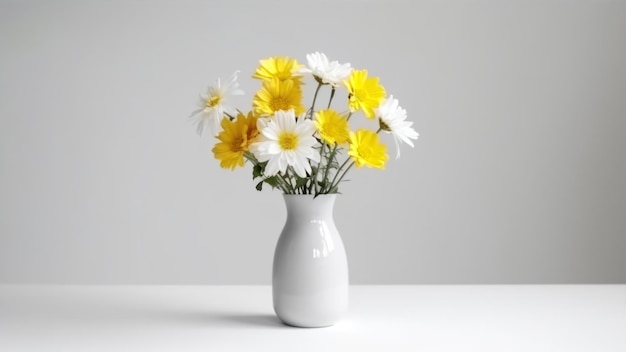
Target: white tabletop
{"x": 499, "y": 318}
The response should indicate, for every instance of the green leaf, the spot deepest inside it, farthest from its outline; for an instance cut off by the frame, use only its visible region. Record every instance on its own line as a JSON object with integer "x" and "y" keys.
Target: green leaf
{"x": 272, "y": 181}
{"x": 301, "y": 181}
{"x": 259, "y": 186}
{"x": 257, "y": 171}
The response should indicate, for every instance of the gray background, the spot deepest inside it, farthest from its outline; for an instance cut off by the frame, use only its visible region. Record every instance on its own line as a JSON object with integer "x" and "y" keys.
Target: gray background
{"x": 518, "y": 175}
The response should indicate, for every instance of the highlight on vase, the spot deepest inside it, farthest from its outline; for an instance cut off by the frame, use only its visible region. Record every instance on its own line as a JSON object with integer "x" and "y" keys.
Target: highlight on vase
{"x": 298, "y": 148}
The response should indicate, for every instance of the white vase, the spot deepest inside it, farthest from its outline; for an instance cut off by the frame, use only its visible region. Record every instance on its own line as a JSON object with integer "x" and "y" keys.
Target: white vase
{"x": 310, "y": 272}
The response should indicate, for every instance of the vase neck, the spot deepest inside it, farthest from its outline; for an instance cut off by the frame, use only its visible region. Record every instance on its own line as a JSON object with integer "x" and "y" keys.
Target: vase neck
{"x": 306, "y": 206}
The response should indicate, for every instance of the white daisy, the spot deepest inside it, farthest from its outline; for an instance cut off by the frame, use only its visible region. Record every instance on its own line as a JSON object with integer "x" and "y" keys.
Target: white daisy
{"x": 213, "y": 105}
{"x": 285, "y": 141}
{"x": 328, "y": 72}
{"x": 393, "y": 120}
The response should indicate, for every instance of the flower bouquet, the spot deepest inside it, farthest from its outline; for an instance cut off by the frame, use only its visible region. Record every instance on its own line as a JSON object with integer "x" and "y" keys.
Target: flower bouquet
{"x": 305, "y": 152}
{"x": 301, "y": 149}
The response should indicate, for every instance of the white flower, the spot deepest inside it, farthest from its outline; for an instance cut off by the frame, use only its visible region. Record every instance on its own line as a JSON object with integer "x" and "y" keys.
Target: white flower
{"x": 213, "y": 105}
{"x": 393, "y": 120}
{"x": 285, "y": 141}
{"x": 328, "y": 72}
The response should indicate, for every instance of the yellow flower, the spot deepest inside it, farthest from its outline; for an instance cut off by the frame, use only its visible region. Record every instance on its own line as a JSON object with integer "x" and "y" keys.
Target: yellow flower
{"x": 364, "y": 93}
{"x": 367, "y": 150}
{"x": 282, "y": 68}
{"x": 235, "y": 139}
{"x": 332, "y": 127}
{"x": 276, "y": 95}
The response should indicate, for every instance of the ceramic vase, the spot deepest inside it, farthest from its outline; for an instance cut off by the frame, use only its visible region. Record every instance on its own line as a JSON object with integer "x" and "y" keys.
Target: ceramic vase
{"x": 310, "y": 269}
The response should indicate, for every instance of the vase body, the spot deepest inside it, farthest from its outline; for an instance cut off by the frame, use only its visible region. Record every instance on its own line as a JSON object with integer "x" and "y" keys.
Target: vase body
{"x": 310, "y": 270}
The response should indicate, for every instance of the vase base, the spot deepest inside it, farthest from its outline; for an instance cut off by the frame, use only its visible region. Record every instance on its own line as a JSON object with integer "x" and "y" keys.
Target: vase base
{"x": 307, "y": 326}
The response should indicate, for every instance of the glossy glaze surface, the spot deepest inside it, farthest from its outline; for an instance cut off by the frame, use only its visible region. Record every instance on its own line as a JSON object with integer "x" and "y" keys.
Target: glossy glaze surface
{"x": 310, "y": 271}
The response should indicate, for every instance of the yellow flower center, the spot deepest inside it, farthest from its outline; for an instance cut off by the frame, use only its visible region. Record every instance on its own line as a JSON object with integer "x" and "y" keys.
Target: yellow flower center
{"x": 238, "y": 144}
{"x": 213, "y": 101}
{"x": 279, "y": 103}
{"x": 288, "y": 140}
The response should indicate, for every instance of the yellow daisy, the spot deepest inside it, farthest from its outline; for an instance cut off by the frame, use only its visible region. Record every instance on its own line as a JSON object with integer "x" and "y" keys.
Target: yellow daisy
{"x": 364, "y": 93}
{"x": 282, "y": 68}
{"x": 235, "y": 139}
{"x": 332, "y": 127}
{"x": 276, "y": 95}
{"x": 367, "y": 150}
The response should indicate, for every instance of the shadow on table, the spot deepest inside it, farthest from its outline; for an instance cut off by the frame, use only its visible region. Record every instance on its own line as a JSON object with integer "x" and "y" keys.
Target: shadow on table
{"x": 252, "y": 320}
{"x": 223, "y": 319}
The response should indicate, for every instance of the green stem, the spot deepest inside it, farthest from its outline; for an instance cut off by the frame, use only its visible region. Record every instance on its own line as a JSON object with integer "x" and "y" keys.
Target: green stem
{"x": 330, "y": 160}
{"x": 333, "y": 184}
{"x": 286, "y": 182}
{"x": 284, "y": 185}
{"x": 342, "y": 176}
{"x": 317, "y": 170}
{"x": 319, "y": 85}
{"x": 332, "y": 94}
{"x": 338, "y": 171}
